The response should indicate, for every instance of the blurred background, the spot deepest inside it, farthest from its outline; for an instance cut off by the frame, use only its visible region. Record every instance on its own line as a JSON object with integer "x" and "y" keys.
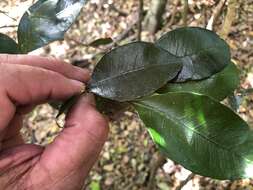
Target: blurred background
{"x": 129, "y": 160}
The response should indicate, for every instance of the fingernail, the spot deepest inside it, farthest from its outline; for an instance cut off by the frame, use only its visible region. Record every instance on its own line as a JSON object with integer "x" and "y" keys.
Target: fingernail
{"x": 78, "y": 84}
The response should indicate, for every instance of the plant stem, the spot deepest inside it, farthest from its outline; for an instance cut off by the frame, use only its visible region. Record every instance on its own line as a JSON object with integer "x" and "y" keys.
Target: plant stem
{"x": 215, "y": 14}
{"x": 8, "y": 26}
{"x": 153, "y": 19}
{"x": 185, "y": 12}
{"x": 183, "y": 183}
{"x": 140, "y": 20}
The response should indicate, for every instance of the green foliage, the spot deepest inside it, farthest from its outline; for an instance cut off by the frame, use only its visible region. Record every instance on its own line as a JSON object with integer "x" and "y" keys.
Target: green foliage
{"x": 132, "y": 71}
{"x": 201, "y": 134}
{"x": 47, "y": 21}
{"x": 191, "y": 69}
{"x": 218, "y": 86}
{"x": 8, "y": 45}
{"x": 202, "y": 51}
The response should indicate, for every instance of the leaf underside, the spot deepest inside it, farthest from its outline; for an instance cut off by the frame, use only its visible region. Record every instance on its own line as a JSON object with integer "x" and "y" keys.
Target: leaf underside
{"x": 133, "y": 71}
{"x": 47, "y": 21}
{"x": 202, "y": 51}
{"x": 199, "y": 133}
{"x": 218, "y": 86}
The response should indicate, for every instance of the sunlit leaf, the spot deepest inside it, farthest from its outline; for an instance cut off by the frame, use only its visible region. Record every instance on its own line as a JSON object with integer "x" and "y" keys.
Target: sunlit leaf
{"x": 202, "y": 51}
{"x": 199, "y": 133}
{"x": 218, "y": 86}
{"x": 47, "y": 21}
{"x": 132, "y": 71}
{"x": 8, "y": 45}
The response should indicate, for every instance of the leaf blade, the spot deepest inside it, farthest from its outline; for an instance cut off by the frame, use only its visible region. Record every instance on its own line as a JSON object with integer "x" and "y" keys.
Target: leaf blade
{"x": 47, "y": 21}
{"x": 8, "y": 45}
{"x": 201, "y": 50}
{"x": 132, "y": 71}
{"x": 218, "y": 86}
{"x": 199, "y": 133}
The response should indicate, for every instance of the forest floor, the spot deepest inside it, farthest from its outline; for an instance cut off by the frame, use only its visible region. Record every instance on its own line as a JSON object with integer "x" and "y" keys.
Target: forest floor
{"x": 129, "y": 157}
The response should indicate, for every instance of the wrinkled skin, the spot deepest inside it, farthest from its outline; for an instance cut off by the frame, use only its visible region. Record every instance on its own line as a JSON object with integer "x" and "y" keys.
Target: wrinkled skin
{"x": 26, "y": 81}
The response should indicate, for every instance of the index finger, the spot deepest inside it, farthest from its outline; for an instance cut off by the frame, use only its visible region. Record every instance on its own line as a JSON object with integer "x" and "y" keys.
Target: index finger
{"x": 52, "y": 64}
{"x": 23, "y": 85}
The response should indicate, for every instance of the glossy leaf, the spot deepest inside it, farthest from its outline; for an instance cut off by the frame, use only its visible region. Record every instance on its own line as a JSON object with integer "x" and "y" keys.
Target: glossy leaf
{"x": 218, "y": 86}
{"x": 101, "y": 41}
{"x": 199, "y": 133}
{"x": 47, "y": 21}
{"x": 110, "y": 108}
{"x": 202, "y": 51}
{"x": 8, "y": 45}
{"x": 132, "y": 71}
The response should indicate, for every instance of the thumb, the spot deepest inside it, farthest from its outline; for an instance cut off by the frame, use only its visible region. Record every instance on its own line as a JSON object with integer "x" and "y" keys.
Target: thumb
{"x": 81, "y": 141}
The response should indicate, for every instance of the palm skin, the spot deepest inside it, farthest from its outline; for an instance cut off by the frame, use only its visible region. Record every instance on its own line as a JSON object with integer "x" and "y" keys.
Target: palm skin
{"x": 26, "y": 81}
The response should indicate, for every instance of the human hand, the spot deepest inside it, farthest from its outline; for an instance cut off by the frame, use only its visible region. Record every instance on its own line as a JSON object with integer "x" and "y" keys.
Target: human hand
{"x": 26, "y": 81}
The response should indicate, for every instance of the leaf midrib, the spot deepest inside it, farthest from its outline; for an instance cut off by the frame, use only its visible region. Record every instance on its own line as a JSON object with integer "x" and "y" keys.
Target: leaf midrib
{"x": 132, "y": 71}
{"x": 199, "y": 52}
{"x": 204, "y": 137}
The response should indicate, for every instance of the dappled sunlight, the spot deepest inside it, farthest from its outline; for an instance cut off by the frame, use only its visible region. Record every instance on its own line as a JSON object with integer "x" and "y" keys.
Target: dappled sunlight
{"x": 189, "y": 133}
{"x": 248, "y": 171}
{"x": 157, "y": 137}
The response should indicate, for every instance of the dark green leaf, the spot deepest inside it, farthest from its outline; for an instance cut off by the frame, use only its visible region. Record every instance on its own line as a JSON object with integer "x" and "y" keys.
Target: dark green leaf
{"x": 67, "y": 105}
{"x": 101, "y": 41}
{"x": 47, "y": 21}
{"x": 202, "y": 51}
{"x": 218, "y": 86}
{"x": 8, "y": 45}
{"x": 199, "y": 133}
{"x": 132, "y": 71}
{"x": 109, "y": 107}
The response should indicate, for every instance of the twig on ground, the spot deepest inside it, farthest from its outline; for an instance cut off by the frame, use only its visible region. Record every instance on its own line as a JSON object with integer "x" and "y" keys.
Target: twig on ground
{"x": 183, "y": 183}
{"x": 8, "y": 26}
{"x": 121, "y": 13}
{"x": 215, "y": 14}
{"x": 123, "y": 35}
{"x": 6, "y": 14}
{"x": 140, "y": 20}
